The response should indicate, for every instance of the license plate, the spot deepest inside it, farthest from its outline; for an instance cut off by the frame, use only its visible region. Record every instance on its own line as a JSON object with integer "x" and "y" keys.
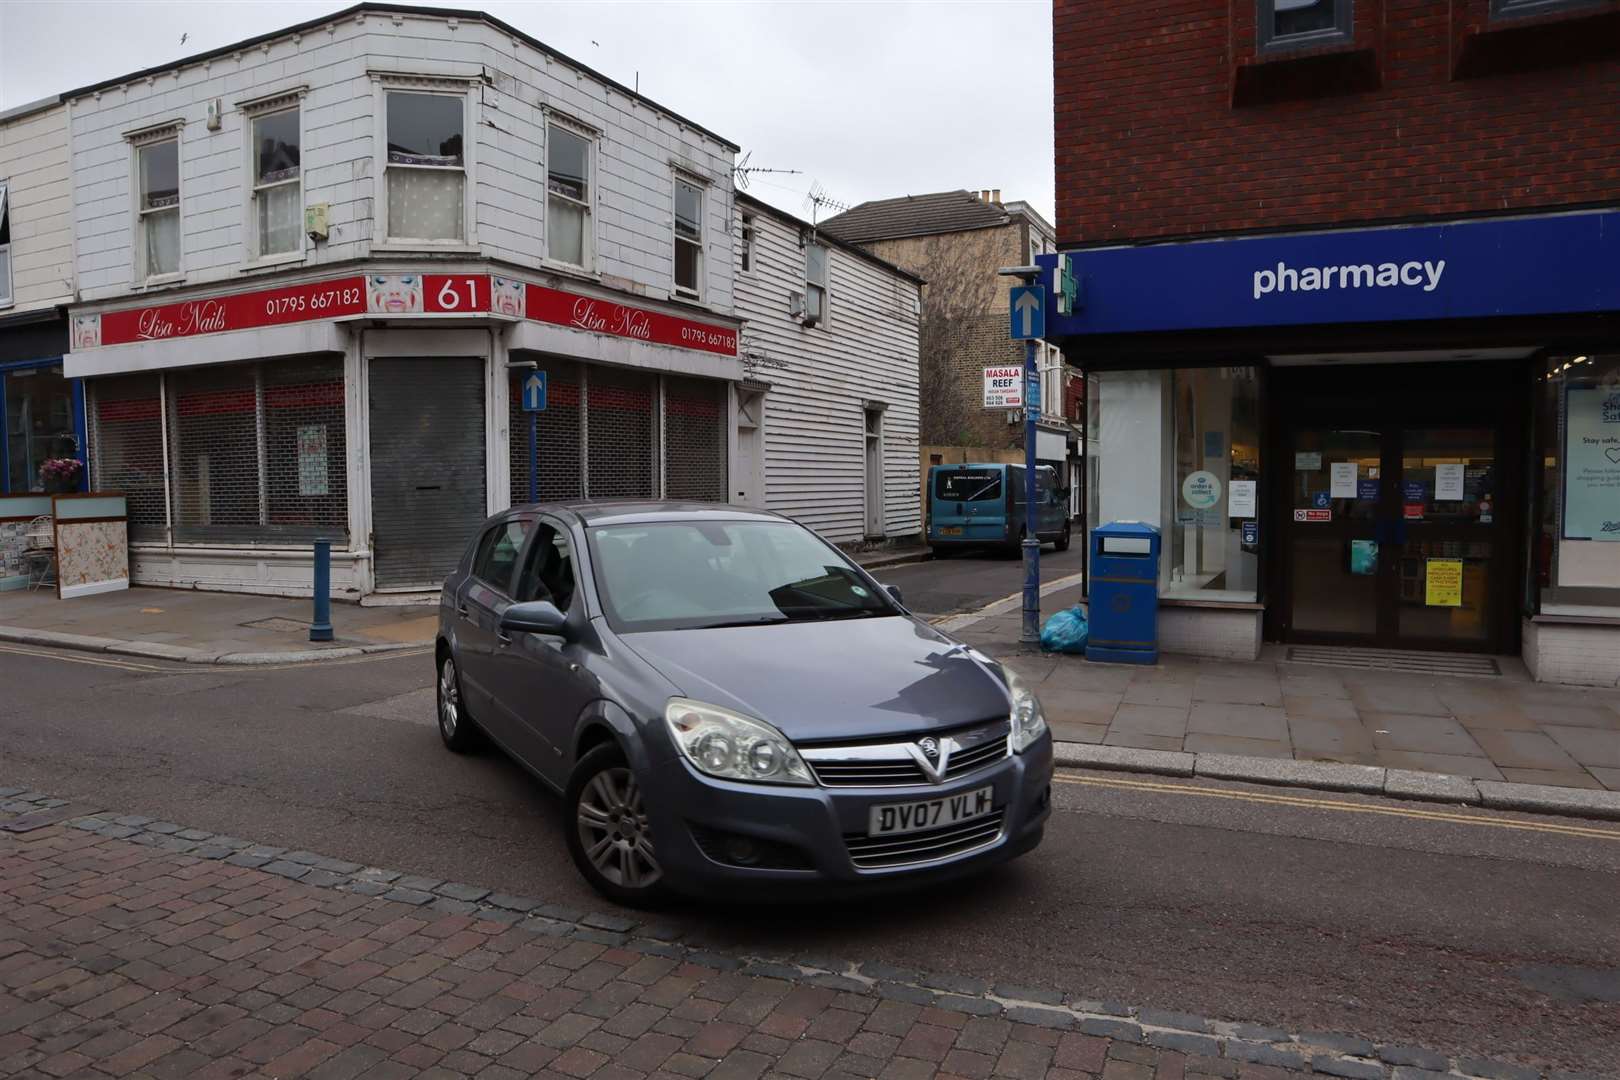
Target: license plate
{"x": 893, "y": 819}
{"x": 951, "y": 530}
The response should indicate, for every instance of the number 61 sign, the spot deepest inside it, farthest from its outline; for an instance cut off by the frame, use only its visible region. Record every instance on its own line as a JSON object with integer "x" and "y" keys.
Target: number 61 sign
{"x": 455, "y": 292}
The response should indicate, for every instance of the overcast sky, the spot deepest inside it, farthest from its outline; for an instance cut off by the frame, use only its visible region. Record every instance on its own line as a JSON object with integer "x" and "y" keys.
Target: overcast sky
{"x": 868, "y": 99}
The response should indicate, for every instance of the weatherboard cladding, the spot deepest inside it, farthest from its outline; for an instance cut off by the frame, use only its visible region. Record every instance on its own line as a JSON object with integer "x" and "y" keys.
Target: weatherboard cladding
{"x": 915, "y": 215}
{"x": 821, "y": 376}
{"x": 336, "y": 61}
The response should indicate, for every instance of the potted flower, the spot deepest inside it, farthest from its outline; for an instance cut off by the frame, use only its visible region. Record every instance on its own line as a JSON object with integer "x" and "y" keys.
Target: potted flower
{"x": 59, "y": 475}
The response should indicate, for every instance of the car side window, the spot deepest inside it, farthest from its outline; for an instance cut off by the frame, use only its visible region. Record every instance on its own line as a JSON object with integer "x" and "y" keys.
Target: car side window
{"x": 548, "y": 572}
{"x": 497, "y": 554}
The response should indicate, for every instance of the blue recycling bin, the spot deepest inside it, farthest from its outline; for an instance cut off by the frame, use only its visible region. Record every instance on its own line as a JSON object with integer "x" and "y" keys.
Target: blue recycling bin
{"x": 1124, "y": 581}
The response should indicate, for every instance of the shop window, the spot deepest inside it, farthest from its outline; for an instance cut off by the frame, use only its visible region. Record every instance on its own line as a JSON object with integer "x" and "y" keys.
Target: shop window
{"x": 1575, "y": 564}
{"x": 556, "y": 436}
{"x": 158, "y": 164}
{"x": 815, "y": 283}
{"x": 688, "y": 239}
{"x": 39, "y": 423}
{"x": 278, "y": 205}
{"x": 1214, "y": 479}
{"x": 1287, "y": 24}
{"x": 569, "y": 232}
{"x": 5, "y": 250}
{"x": 747, "y": 243}
{"x": 1508, "y": 9}
{"x": 256, "y": 452}
{"x": 426, "y": 169}
{"x": 126, "y": 449}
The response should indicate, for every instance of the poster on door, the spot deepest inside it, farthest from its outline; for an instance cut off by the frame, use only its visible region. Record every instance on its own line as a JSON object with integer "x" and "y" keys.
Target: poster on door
{"x": 1342, "y": 479}
{"x": 1443, "y": 583}
{"x": 1448, "y": 483}
{"x": 1592, "y": 463}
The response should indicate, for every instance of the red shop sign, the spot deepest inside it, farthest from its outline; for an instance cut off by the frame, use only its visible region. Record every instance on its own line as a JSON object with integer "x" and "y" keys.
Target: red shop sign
{"x": 243, "y": 311}
{"x": 620, "y": 320}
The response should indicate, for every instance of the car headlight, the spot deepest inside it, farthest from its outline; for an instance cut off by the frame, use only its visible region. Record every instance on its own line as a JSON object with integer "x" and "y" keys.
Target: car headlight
{"x": 732, "y": 746}
{"x": 1028, "y": 723}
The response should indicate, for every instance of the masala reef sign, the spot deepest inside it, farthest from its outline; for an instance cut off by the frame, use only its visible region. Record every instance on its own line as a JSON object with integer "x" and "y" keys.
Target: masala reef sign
{"x": 394, "y": 295}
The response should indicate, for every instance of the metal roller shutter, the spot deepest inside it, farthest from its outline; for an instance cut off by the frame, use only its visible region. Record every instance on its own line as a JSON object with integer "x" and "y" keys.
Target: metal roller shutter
{"x": 695, "y": 439}
{"x": 427, "y": 466}
{"x": 126, "y": 433}
{"x": 622, "y": 433}
{"x": 557, "y": 435}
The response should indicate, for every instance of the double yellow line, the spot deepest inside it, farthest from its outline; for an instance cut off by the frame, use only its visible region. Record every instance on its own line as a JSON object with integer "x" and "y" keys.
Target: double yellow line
{"x": 1342, "y": 806}
{"x": 99, "y": 660}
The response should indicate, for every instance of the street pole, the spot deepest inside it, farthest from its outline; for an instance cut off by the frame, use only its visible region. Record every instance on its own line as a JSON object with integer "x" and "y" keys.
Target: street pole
{"x": 534, "y": 457}
{"x": 1031, "y": 632}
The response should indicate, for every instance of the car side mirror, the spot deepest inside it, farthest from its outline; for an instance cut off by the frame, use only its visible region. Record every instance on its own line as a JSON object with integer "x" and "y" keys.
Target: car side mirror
{"x": 894, "y": 591}
{"x": 534, "y": 617}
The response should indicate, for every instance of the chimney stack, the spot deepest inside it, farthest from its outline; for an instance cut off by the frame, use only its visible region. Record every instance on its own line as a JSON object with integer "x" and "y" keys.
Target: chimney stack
{"x": 995, "y": 196}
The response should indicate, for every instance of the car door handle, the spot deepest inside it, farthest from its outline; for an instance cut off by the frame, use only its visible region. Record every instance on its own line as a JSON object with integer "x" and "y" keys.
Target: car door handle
{"x": 462, "y": 611}
{"x": 503, "y": 639}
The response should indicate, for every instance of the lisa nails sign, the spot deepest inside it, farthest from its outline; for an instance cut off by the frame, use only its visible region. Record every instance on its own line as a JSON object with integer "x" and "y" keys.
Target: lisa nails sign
{"x": 398, "y": 294}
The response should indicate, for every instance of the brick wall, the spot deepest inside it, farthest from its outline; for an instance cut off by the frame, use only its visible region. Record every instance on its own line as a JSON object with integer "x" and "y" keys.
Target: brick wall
{"x": 1455, "y": 114}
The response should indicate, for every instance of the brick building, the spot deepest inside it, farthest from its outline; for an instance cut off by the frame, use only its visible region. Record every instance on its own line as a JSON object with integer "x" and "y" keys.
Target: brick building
{"x": 957, "y": 240}
{"x": 1350, "y": 305}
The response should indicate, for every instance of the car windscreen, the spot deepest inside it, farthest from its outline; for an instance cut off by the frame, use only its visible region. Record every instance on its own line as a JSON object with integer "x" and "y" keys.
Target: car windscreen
{"x": 705, "y": 574}
{"x": 967, "y": 485}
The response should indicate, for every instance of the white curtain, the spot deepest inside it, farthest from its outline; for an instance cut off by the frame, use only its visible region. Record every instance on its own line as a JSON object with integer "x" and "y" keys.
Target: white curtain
{"x": 279, "y": 224}
{"x": 163, "y": 242}
{"x": 565, "y": 231}
{"x": 425, "y": 204}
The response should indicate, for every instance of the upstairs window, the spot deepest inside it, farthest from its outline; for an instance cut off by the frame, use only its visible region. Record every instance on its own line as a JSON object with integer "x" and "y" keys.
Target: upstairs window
{"x": 1287, "y": 24}
{"x": 277, "y": 184}
{"x": 569, "y": 232}
{"x": 427, "y": 180}
{"x": 688, "y": 239}
{"x": 159, "y": 209}
{"x": 815, "y": 283}
{"x": 5, "y": 251}
{"x": 747, "y": 243}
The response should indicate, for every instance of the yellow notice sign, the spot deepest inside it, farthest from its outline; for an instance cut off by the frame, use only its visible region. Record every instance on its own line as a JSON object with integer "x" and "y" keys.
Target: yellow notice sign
{"x": 1443, "y": 583}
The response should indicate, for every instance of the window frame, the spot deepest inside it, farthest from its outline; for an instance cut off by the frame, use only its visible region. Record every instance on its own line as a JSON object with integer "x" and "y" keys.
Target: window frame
{"x": 588, "y": 244}
{"x": 825, "y": 284}
{"x": 527, "y": 556}
{"x": 9, "y": 297}
{"x": 138, "y": 143}
{"x": 446, "y": 86}
{"x": 1522, "y": 9}
{"x": 1267, "y": 40}
{"x": 507, "y": 588}
{"x": 251, "y": 114}
{"x": 677, "y": 290}
{"x": 749, "y": 230}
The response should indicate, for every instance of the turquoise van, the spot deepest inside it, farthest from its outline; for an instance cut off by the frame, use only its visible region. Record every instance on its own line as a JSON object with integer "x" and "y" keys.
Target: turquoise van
{"x": 983, "y": 506}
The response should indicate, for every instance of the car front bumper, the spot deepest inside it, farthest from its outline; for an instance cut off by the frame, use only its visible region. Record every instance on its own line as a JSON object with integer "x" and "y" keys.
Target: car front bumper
{"x": 802, "y": 835}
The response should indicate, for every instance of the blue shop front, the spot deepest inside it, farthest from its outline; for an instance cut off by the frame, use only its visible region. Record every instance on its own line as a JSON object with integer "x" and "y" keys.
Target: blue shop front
{"x": 1396, "y": 438}
{"x": 41, "y": 410}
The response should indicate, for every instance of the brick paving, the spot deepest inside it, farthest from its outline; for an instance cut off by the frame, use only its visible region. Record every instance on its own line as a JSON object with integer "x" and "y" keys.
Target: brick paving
{"x": 142, "y": 950}
{"x": 120, "y": 960}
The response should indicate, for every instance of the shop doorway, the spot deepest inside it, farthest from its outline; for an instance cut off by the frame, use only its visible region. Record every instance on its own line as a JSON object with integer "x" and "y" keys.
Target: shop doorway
{"x": 1400, "y": 509}
{"x": 427, "y": 466}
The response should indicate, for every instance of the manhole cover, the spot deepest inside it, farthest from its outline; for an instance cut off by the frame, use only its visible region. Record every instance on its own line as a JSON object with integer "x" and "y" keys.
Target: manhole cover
{"x": 289, "y": 626}
{"x": 1421, "y": 663}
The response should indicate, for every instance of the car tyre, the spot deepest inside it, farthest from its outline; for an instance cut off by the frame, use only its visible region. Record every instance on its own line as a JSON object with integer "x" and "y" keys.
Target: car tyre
{"x": 1062, "y": 543}
{"x": 605, "y": 822}
{"x": 456, "y": 726}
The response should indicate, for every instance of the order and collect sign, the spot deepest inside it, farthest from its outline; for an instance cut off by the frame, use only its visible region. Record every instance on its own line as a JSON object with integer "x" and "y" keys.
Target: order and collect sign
{"x": 1004, "y": 387}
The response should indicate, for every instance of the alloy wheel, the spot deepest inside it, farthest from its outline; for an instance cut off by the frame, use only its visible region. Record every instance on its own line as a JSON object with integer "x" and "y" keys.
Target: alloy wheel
{"x": 449, "y": 699}
{"x": 613, "y": 830}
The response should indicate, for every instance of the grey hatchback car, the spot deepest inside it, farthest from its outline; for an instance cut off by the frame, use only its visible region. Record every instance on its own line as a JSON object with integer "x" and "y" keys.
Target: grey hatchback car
{"x": 729, "y": 706}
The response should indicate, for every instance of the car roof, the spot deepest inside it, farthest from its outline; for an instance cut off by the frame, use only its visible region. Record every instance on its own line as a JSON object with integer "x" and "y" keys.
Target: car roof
{"x": 642, "y": 511}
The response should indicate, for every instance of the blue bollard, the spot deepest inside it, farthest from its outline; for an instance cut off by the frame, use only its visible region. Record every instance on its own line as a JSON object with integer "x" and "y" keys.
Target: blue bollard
{"x": 321, "y": 628}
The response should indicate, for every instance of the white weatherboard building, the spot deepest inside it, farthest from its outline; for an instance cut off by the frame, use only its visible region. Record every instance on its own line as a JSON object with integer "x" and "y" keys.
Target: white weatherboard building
{"x": 314, "y": 269}
{"x": 829, "y": 342}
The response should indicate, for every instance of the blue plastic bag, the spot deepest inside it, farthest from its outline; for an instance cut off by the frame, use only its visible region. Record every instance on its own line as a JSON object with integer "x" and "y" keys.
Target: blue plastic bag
{"x": 1066, "y": 632}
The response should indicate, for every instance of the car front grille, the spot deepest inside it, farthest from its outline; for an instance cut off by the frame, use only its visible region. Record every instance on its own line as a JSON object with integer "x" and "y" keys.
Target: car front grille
{"x": 892, "y": 764}
{"x": 879, "y": 852}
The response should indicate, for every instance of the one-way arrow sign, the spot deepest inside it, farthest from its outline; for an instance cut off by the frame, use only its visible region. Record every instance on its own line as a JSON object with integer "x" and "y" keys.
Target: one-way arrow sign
{"x": 1028, "y": 311}
{"x": 534, "y": 392}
